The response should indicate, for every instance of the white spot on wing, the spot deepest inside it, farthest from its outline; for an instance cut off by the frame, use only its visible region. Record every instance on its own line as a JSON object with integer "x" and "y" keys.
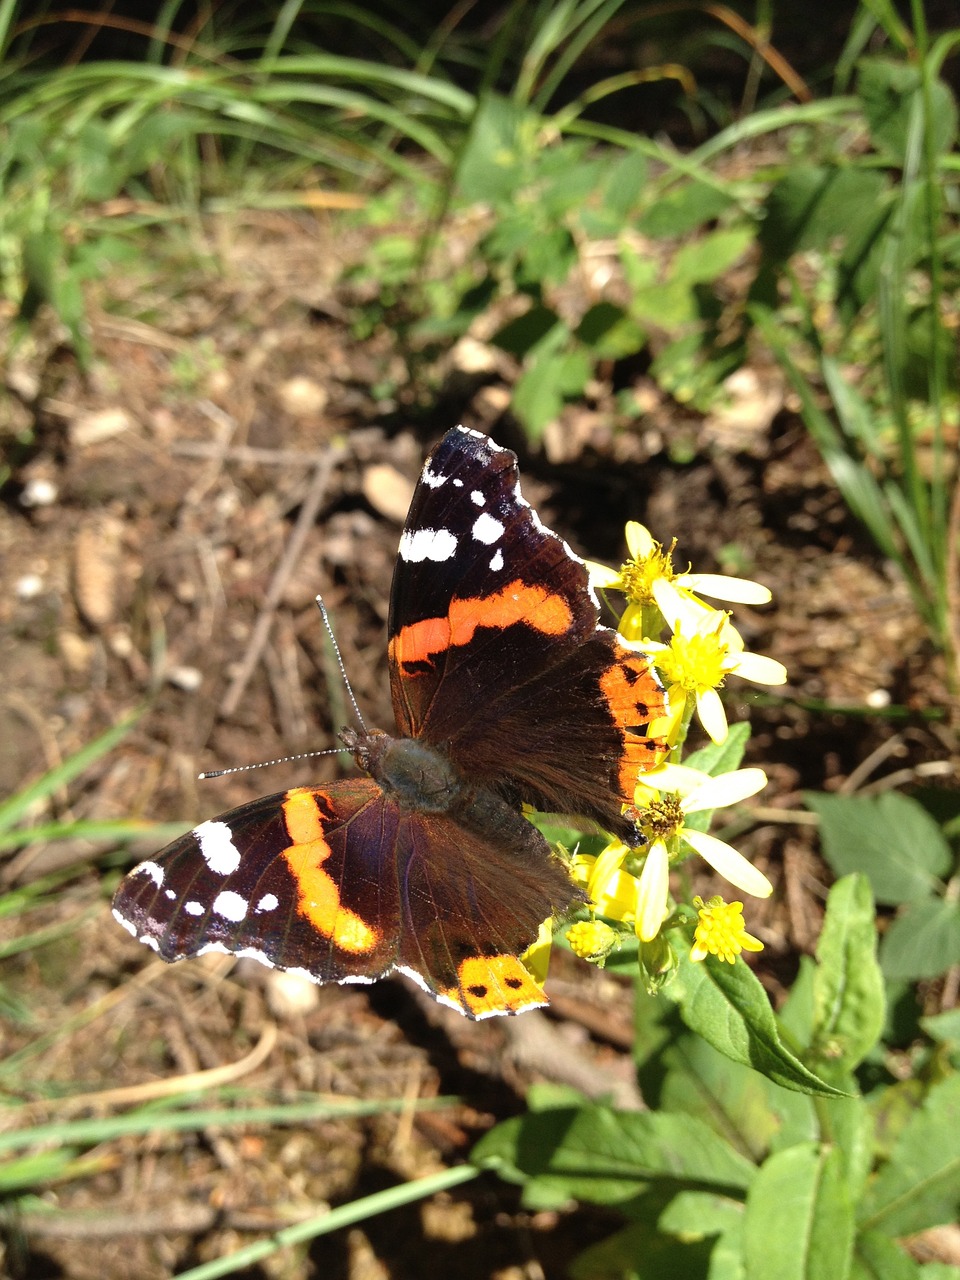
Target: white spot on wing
{"x": 216, "y": 844}
{"x": 168, "y": 893}
{"x": 458, "y": 484}
{"x": 269, "y": 902}
{"x": 151, "y": 869}
{"x": 193, "y": 908}
{"x": 230, "y": 905}
{"x": 431, "y": 478}
{"x": 477, "y": 498}
{"x": 496, "y": 564}
{"x": 130, "y": 927}
{"x": 427, "y": 544}
{"x": 486, "y": 529}
{"x": 147, "y": 941}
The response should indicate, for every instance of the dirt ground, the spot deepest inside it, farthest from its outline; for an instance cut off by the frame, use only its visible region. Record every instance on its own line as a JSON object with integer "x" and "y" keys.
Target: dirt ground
{"x": 168, "y": 522}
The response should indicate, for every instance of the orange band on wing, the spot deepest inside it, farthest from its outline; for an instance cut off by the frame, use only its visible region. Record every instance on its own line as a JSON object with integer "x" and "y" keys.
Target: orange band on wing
{"x": 634, "y": 698}
{"x": 517, "y": 602}
{"x": 318, "y": 895}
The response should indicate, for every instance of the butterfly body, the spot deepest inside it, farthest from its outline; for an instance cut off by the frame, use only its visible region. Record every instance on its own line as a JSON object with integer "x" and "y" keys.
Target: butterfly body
{"x": 505, "y": 689}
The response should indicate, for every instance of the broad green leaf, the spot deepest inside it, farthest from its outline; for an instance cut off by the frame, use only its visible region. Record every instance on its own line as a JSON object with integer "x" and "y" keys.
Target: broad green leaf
{"x": 849, "y": 1004}
{"x": 520, "y": 335}
{"x": 607, "y": 1157}
{"x": 890, "y": 838}
{"x": 943, "y": 1027}
{"x": 683, "y": 210}
{"x": 549, "y": 379}
{"x": 849, "y": 1124}
{"x": 548, "y": 258}
{"x": 877, "y": 1257}
{"x": 813, "y": 207}
{"x": 799, "y": 1221}
{"x": 919, "y": 1186}
{"x": 726, "y": 1005}
{"x": 493, "y": 163}
{"x": 610, "y": 333}
{"x": 923, "y": 941}
{"x": 722, "y": 757}
{"x": 741, "y": 1105}
{"x": 704, "y": 260}
{"x": 890, "y": 91}
{"x": 641, "y": 1252}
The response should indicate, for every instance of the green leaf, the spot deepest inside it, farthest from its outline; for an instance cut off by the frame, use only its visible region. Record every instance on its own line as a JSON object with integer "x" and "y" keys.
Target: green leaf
{"x": 683, "y": 210}
{"x": 619, "y": 191}
{"x": 522, "y": 334}
{"x": 610, "y": 333}
{"x": 923, "y": 941}
{"x": 849, "y": 1002}
{"x": 549, "y": 379}
{"x": 799, "y": 1221}
{"x": 919, "y": 1186}
{"x": 943, "y": 1027}
{"x": 493, "y": 162}
{"x": 814, "y": 207}
{"x": 877, "y": 1257}
{"x": 704, "y": 260}
{"x": 890, "y": 92}
{"x": 548, "y": 258}
{"x": 890, "y": 838}
{"x": 726, "y": 1005}
{"x": 722, "y": 757}
{"x": 735, "y": 1101}
{"x": 604, "y": 1156}
{"x": 641, "y": 1252}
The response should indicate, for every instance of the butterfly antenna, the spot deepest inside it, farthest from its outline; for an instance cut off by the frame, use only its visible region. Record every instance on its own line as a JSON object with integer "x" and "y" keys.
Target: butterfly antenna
{"x": 343, "y": 671}
{"x": 265, "y": 764}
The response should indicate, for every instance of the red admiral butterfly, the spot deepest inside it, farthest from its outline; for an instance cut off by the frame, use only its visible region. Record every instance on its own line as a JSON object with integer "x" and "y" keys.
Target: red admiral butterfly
{"x": 505, "y": 689}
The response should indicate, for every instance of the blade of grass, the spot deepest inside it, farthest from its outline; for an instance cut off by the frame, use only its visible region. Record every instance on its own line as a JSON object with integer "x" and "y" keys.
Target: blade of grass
{"x": 12, "y": 810}
{"x": 334, "y": 1220}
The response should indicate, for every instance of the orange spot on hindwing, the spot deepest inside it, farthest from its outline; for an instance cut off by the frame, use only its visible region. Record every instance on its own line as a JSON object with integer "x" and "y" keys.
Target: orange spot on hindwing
{"x": 494, "y": 984}
{"x": 543, "y": 610}
{"x": 318, "y": 897}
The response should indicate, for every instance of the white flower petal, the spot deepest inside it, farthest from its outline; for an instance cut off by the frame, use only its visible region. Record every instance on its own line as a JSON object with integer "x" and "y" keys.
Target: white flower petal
{"x": 640, "y": 542}
{"x": 603, "y": 577}
{"x": 675, "y": 777}
{"x": 654, "y": 887}
{"x": 725, "y": 789}
{"x": 761, "y": 670}
{"x": 719, "y": 587}
{"x": 682, "y": 611}
{"x": 728, "y": 863}
{"x": 712, "y": 715}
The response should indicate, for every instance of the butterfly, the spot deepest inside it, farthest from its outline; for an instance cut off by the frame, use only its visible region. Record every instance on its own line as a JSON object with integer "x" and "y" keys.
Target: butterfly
{"x": 506, "y": 689}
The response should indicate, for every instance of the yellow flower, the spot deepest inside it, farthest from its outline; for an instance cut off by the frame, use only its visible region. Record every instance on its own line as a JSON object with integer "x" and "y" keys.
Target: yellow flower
{"x": 649, "y": 581}
{"x": 678, "y": 791}
{"x": 696, "y": 661}
{"x": 592, "y": 940}
{"x": 721, "y": 932}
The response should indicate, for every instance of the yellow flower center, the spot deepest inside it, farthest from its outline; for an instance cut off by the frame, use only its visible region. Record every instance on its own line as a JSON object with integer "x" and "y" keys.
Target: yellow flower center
{"x": 638, "y": 576}
{"x": 661, "y": 819}
{"x": 591, "y": 939}
{"x": 721, "y": 930}
{"x": 694, "y": 662}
